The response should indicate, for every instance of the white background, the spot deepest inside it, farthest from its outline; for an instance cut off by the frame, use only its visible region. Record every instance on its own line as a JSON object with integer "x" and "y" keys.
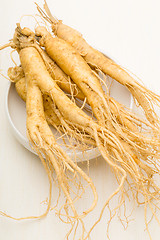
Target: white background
{"x": 128, "y": 30}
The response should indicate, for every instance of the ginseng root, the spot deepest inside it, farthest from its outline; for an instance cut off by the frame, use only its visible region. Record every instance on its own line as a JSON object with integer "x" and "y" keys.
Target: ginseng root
{"x": 68, "y": 113}
{"x": 137, "y": 163}
{"x": 50, "y": 115}
{"x": 127, "y": 161}
{"x": 69, "y": 176}
{"x": 41, "y": 137}
{"x": 97, "y": 60}
{"x": 79, "y": 71}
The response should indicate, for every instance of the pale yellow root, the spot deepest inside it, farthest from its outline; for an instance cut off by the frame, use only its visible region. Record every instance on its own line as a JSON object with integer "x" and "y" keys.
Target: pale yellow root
{"x": 114, "y": 151}
{"x": 145, "y": 97}
{"x": 16, "y": 73}
{"x": 44, "y": 143}
{"x": 96, "y": 59}
{"x": 56, "y": 24}
{"x": 67, "y": 112}
{"x": 10, "y": 44}
{"x": 55, "y": 91}
{"x": 117, "y": 109}
{"x": 41, "y": 136}
{"x": 88, "y": 82}
{"x": 52, "y": 118}
{"x": 62, "y": 80}
{"x": 75, "y": 67}
{"x": 20, "y": 87}
{"x": 119, "y": 113}
{"x": 65, "y": 56}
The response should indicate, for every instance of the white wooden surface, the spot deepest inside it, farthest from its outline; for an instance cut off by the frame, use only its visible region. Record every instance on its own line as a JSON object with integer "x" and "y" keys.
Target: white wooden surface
{"x": 128, "y": 30}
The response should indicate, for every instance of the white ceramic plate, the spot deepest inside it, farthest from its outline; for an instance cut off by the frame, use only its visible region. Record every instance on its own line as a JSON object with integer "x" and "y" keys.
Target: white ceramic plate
{"x": 16, "y": 113}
